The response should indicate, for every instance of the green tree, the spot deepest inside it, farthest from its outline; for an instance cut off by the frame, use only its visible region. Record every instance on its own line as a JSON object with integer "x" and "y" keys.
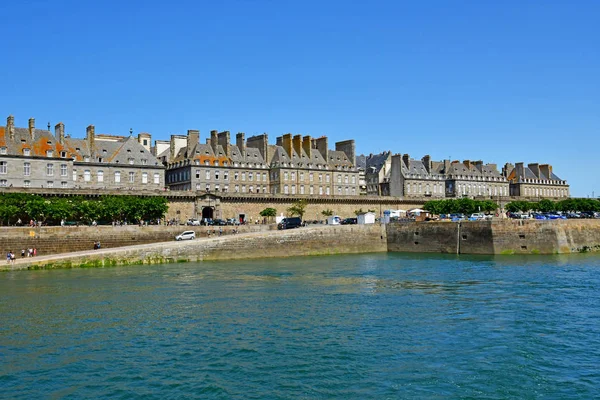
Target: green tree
{"x": 327, "y": 212}
{"x": 298, "y": 208}
{"x": 269, "y": 213}
{"x": 358, "y": 212}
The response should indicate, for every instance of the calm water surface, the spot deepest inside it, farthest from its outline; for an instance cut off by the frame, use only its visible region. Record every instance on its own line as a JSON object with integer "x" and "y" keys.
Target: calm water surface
{"x": 341, "y": 327}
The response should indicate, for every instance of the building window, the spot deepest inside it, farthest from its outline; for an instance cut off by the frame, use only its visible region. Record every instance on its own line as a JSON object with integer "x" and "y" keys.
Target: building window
{"x": 26, "y": 152}
{"x": 63, "y": 184}
{"x": 63, "y": 169}
{"x": 74, "y": 175}
{"x": 302, "y": 189}
{"x": 251, "y": 189}
{"x": 264, "y": 174}
{"x": 132, "y": 177}
{"x": 130, "y": 161}
{"x": 100, "y": 176}
{"x": 250, "y": 176}
{"x": 217, "y": 175}
{"x": 27, "y": 169}
{"x": 3, "y": 182}
{"x": 226, "y": 175}
{"x": 2, "y": 150}
{"x": 50, "y": 184}
{"x": 144, "y": 177}
{"x": 243, "y": 176}
{"x": 285, "y": 176}
{"x": 117, "y": 176}
{"x": 311, "y": 190}
{"x": 321, "y": 190}
{"x": 27, "y": 184}
{"x": 327, "y": 190}
{"x": 49, "y": 169}
{"x": 144, "y": 161}
{"x": 243, "y": 188}
{"x": 207, "y": 174}
{"x": 285, "y": 188}
{"x": 87, "y": 175}
{"x": 354, "y": 179}
{"x": 156, "y": 178}
{"x": 293, "y": 189}
{"x": 237, "y": 188}
{"x": 49, "y": 153}
{"x": 321, "y": 179}
{"x": 310, "y": 177}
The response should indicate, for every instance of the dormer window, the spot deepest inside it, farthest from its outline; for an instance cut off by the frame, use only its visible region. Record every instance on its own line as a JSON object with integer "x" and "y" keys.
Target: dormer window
{"x": 3, "y": 150}
{"x": 104, "y": 151}
{"x": 144, "y": 161}
{"x": 86, "y": 159}
{"x": 49, "y": 142}
{"x": 49, "y": 153}
{"x": 128, "y": 150}
{"x": 26, "y": 152}
{"x": 63, "y": 154}
{"x": 100, "y": 159}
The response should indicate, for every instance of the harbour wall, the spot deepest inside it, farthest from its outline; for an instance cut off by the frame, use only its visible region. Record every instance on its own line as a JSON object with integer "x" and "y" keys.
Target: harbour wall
{"x": 57, "y": 239}
{"x": 315, "y": 240}
{"x": 495, "y": 237}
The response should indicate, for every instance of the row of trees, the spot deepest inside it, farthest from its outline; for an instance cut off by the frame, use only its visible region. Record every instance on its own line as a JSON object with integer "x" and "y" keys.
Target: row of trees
{"x": 299, "y": 208}
{"x": 464, "y": 206}
{"x": 551, "y": 206}
{"x": 53, "y": 210}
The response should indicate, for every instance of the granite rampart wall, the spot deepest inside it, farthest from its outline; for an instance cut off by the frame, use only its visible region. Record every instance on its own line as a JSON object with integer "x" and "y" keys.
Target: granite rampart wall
{"x": 495, "y": 237}
{"x": 315, "y": 240}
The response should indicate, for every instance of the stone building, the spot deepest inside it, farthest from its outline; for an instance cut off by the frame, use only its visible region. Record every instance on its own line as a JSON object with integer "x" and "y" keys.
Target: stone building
{"x": 535, "y": 181}
{"x": 475, "y": 179}
{"x": 34, "y": 158}
{"x": 417, "y": 178}
{"x": 377, "y": 173}
{"x": 295, "y": 165}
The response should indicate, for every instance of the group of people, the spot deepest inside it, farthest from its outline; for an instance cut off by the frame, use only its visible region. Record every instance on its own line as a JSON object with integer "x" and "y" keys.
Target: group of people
{"x": 31, "y": 252}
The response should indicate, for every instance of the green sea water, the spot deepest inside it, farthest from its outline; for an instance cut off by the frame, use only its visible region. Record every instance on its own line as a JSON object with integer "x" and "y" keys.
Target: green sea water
{"x": 378, "y": 326}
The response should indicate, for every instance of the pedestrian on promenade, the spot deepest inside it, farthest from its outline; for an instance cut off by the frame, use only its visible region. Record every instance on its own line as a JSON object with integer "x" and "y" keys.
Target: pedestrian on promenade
{"x": 30, "y": 252}
{"x": 23, "y": 253}
{"x": 8, "y": 257}
{"x": 34, "y": 252}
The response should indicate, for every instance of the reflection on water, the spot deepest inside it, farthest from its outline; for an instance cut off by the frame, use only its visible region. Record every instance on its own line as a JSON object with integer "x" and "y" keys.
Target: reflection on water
{"x": 369, "y": 326}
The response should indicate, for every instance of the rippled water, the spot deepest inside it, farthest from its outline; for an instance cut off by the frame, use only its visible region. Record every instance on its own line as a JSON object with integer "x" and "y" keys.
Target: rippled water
{"x": 347, "y": 327}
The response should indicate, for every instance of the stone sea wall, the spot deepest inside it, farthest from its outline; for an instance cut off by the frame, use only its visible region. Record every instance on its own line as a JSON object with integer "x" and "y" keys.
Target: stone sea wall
{"x": 316, "y": 240}
{"x": 496, "y": 237}
{"x": 56, "y": 239}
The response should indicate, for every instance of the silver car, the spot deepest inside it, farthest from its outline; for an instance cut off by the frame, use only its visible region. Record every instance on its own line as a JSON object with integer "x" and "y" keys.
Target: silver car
{"x": 187, "y": 235}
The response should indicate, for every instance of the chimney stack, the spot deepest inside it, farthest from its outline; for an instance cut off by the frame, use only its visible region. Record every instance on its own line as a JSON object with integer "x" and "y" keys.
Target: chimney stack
{"x": 546, "y": 169}
{"x": 297, "y": 145}
{"x": 193, "y": 138}
{"x": 214, "y": 141}
{"x": 307, "y": 147}
{"x": 323, "y": 147}
{"x": 31, "y": 128}
{"x": 427, "y": 163}
{"x": 240, "y": 141}
{"x": 10, "y": 126}
{"x": 59, "y": 132}
{"x": 287, "y": 144}
{"x": 225, "y": 142}
{"x": 406, "y": 161}
{"x": 90, "y": 138}
{"x": 348, "y": 147}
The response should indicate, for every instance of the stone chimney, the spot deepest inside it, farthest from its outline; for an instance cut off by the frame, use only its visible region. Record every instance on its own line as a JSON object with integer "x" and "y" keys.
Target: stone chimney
{"x": 90, "y": 138}
{"x": 546, "y": 170}
{"x": 467, "y": 163}
{"x": 427, "y": 162}
{"x": 307, "y": 147}
{"x": 31, "y": 128}
{"x": 172, "y": 148}
{"x": 406, "y": 161}
{"x": 259, "y": 142}
{"x": 478, "y": 165}
{"x": 297, "y": 144}
{"x": 193, "y": 138}
{"x": 446, "y": 166}
{"x": 323, "y": 147}
{"x": 59, "y": 132}
{"x": 214, "y": 141}
{"x": 349, "y": 148}
{"x": 225, "y": 142}
{"x": 287, "y": 144}
{"x": 520, "y": 171}
{"x": 279, "y": 141}
{"x": 396, "y": 184}
{"x": 535, "y": 168}
{"x": 507, "y": 169}
{"x": 10, "y": 126}
{"x": 240, "y": 141}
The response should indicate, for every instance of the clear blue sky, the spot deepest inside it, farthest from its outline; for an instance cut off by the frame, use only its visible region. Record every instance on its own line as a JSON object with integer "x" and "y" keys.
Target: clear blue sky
{"x": 501, "y": 81}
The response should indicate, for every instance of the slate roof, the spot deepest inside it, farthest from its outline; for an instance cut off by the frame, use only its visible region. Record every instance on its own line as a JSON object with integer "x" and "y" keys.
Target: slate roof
{"x": 117, "y": 150}
{"x": 375, "y": 162}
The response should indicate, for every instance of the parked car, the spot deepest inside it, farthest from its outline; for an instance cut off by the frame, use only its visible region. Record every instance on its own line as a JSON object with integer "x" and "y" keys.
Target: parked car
{"x": 349, "y": 221}
{"x": 193, "y": 222}
{"x": 233, "y": 221}
{"x": 207, "y": 221}
{"x": 457, "y": 217}
{"x": 219, "y": 222}
{"x": 587, "y": 214}
{"x": 289, "y": 223}
{"x": 187, "y": 235}
{"x": 477, "y": 217}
